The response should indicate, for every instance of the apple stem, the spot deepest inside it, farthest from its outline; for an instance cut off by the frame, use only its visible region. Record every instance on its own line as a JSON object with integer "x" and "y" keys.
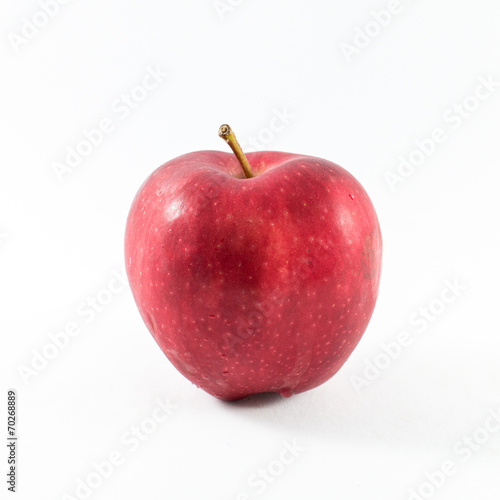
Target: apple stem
{"x": 226, "y": 133}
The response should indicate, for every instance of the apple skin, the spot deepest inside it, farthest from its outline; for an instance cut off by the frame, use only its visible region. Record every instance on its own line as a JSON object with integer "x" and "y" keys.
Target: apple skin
{"x": 254, "y": 285}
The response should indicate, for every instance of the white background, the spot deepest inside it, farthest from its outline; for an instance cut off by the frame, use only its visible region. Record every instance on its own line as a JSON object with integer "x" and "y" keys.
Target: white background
{"x": 62, "y": 240}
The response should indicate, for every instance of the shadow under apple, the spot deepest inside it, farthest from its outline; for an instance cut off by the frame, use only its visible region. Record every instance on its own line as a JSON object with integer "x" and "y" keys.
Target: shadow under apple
{"x": 419, "y": 408}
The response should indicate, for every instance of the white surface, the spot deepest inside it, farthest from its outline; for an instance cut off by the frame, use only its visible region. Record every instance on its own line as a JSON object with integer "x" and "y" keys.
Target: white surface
{"x": 62, "y": 241}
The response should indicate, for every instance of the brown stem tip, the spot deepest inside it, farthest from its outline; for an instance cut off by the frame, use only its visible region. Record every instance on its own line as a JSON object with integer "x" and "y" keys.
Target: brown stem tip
{"x": 227, "y": 134}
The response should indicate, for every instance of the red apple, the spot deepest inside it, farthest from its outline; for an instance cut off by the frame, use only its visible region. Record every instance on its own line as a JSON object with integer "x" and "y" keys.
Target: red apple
{"x": 253, "y": 274}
